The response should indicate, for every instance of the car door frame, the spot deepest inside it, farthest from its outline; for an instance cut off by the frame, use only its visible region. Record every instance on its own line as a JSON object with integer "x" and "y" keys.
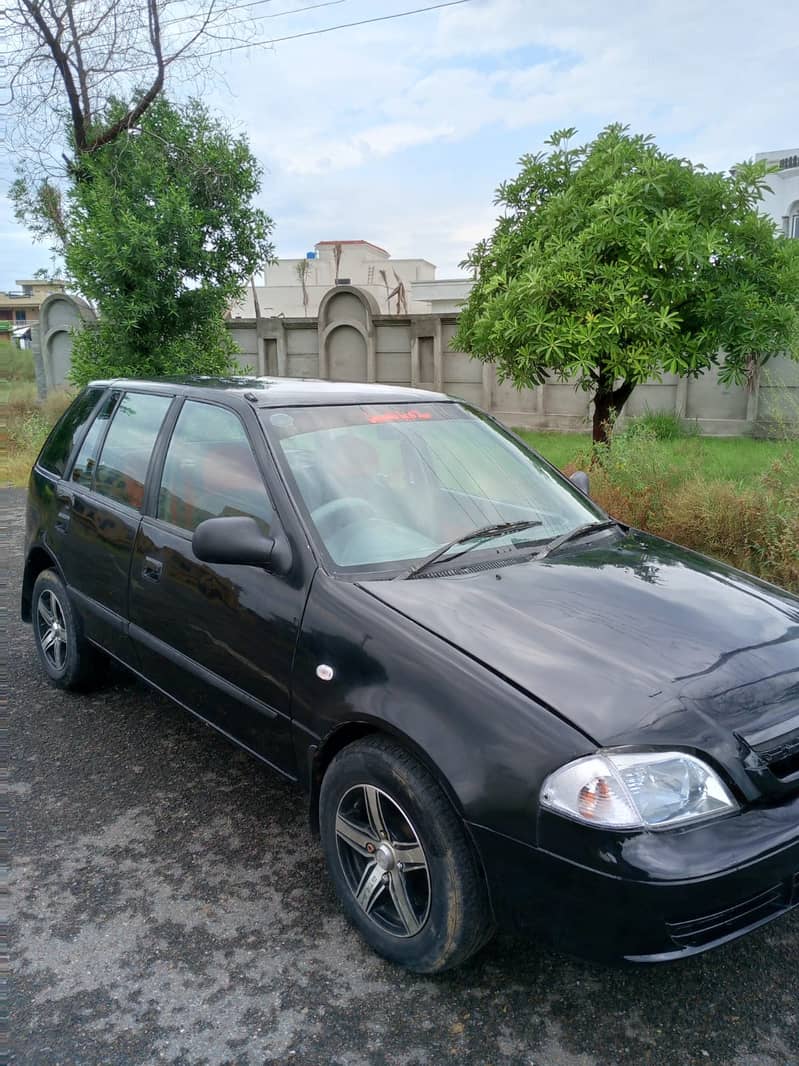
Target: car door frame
{"x": 106, "y": 628}
{"x": 302, "y": 570}
{"x": 286, "y": 513}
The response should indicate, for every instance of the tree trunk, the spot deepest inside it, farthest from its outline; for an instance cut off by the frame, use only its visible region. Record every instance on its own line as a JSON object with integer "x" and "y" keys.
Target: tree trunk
{"x": 607, "y": 404}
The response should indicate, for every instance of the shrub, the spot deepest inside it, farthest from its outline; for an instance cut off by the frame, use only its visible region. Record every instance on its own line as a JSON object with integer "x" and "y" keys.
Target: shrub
{"x": 27, "y": 425}
{"x": 662, "y": 425}
{"x": 635, "y": 475}
{"x": 28, "y": 431}
{"x": 16, "y": 364}
{"x": 754, "y": 526}
{"x": 54, "y": 406}
{"x": 102, "y": 350}
{"x": 18, "y": 397}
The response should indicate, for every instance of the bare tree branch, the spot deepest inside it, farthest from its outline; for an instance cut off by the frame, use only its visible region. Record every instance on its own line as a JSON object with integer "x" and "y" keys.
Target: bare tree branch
{"x": 73, "y": 57}
{"x": 135, "y": 113}
{"x": 79, "y": 67}
{"x": 52, "y": 40}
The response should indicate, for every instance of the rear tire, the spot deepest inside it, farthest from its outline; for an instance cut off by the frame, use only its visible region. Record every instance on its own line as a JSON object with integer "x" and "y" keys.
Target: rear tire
{"x": 69, "y": 660}
{"x": 400, "y": 859}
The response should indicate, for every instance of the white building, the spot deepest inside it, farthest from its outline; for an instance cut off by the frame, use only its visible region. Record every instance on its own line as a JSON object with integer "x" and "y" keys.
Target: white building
{"x": 442, "y": 296}
{"x": 293, "y": 288}
{"x": 782, "y": 203}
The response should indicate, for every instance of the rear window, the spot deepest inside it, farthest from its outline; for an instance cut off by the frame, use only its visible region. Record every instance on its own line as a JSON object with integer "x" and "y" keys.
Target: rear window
{"x": 83, "y": 467}
{"x": 122, "y": 468}
{"x": 58, "y": 447}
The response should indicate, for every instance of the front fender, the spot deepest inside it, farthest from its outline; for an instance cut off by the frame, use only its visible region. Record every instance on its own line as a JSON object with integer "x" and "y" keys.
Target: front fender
{"x": 489, "y": 744}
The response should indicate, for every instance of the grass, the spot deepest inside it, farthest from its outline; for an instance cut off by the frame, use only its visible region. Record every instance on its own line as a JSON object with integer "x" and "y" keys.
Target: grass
{"x": 730, "y": 497}
{"x": 733, "y": 459}
{"x": 16, "y": 364}
{"x": 562, "y": 449}
{"x": 25, "y": 425}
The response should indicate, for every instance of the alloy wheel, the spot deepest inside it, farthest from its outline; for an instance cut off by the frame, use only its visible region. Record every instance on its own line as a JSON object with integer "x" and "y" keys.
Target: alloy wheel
{"x": 383, "y": 860}
{"x": 52, "y": 629}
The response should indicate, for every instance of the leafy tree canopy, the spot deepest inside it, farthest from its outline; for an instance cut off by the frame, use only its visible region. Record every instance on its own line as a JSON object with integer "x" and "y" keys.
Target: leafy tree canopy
{"x": 614, "y": 262}
{"x": 159, "y": 231}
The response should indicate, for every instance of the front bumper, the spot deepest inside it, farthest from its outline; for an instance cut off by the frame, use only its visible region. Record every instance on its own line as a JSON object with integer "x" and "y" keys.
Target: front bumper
{"x": 646, "y": 897}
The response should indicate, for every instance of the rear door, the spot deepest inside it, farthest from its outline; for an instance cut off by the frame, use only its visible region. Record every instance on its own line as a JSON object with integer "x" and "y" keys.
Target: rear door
{"x": 99, "y": 510}
{"x": 218, "y": 638}
{"x": 47, "y": 488}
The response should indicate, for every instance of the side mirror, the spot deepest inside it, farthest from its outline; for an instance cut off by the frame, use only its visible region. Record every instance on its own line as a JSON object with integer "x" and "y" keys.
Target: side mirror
{"x": 238, "y": 540}
{"x": 580, "y": 479}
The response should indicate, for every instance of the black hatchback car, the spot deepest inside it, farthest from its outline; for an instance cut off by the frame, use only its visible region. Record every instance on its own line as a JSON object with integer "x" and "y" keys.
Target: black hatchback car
{"x": 505, "y": 707}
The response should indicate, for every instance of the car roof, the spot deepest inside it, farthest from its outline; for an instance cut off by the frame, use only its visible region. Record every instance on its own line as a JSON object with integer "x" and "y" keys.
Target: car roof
{"x": 283, "y": 392}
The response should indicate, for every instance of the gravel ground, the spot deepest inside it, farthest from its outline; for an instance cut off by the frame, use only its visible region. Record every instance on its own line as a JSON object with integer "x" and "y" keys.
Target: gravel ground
{"x": 170, "y": 905}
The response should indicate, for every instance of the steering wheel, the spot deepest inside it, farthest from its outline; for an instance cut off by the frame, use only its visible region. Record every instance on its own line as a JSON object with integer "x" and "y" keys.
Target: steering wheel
{"x": 335, "y": 514}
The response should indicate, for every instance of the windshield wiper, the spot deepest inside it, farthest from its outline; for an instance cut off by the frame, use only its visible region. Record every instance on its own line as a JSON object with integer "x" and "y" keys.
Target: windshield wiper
{"x": 483, "y": 533}
{"x": 575, "y": 534}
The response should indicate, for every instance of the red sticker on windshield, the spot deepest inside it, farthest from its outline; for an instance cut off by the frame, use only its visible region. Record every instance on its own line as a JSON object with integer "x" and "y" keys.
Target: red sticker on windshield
{"x": 401, "y": 416}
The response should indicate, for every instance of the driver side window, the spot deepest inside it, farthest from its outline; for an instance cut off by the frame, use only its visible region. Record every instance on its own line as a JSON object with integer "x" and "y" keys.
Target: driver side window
{"x": 210, "y": 470}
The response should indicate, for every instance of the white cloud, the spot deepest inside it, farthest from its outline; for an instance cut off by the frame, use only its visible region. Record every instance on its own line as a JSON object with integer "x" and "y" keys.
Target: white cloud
{"x": 399, "y": 131}
{"x": 678, "y": 70}
{"x": 323, "y": 153}
{"x": 668, "y": 67}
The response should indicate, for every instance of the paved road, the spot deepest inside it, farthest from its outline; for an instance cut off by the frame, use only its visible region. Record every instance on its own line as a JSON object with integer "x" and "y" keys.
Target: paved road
{"x": 170, "y": 906}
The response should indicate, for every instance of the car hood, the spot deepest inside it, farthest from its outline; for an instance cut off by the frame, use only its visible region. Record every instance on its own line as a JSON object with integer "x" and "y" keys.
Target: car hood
{"x": 628, "y": 637}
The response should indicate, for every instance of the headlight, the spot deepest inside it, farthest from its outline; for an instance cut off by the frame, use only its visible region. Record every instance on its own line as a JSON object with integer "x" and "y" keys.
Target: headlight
{"x": 632, "y": 790}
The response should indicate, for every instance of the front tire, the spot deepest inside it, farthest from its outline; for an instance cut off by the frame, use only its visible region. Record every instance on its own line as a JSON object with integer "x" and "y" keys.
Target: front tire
{"x": 69, "y": 660}
{"x": 400, "y": 860}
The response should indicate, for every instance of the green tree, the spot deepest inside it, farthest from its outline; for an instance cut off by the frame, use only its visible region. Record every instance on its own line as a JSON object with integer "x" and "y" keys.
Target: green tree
{"x": 159, "y": 232}
{"x": 615, "y": 262}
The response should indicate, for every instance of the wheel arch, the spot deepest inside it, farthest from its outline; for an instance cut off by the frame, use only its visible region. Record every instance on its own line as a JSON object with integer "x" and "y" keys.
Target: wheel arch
{"x": 348, "y": 733}
{"x": 39, "y": 559}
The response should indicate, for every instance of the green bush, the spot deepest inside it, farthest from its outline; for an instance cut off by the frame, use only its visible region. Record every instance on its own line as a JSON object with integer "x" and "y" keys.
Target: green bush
{"x": 660, "y": 425}
{"x": 752, "y": 524}
{"x": 29, "y": 432}
{"x": 16, "y": 364}
{"x": 105, "y": 351}
{"x": 27, "y": 423}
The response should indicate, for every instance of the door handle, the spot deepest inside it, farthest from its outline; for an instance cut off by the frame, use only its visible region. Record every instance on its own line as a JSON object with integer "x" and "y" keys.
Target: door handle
{"x": 151, "y": 571}
{"x": 64, "y": 512}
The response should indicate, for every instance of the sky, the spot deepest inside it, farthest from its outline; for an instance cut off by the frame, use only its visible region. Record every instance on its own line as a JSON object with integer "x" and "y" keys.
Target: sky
{"x": 398, "y": 132}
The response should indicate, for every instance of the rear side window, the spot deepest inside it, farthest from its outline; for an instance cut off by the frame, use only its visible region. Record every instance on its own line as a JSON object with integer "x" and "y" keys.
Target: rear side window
{"x": 122, "y": 467}
{"x": 83, "y": 467}
{"x": 58, "y": 447}
{"x": 210, "y": 470}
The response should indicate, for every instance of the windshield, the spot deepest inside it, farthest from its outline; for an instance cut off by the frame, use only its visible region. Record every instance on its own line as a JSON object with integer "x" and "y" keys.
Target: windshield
{"x": 386, "y": 485}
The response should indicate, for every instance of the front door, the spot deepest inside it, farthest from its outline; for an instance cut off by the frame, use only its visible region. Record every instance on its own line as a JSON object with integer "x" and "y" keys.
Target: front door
{"x": 218, "y": 638}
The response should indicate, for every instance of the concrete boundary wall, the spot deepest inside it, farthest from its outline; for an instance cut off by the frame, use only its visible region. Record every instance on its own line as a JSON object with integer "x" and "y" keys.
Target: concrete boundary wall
{"x": 51, "y": 339}
{"x": 352, "y": 341}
